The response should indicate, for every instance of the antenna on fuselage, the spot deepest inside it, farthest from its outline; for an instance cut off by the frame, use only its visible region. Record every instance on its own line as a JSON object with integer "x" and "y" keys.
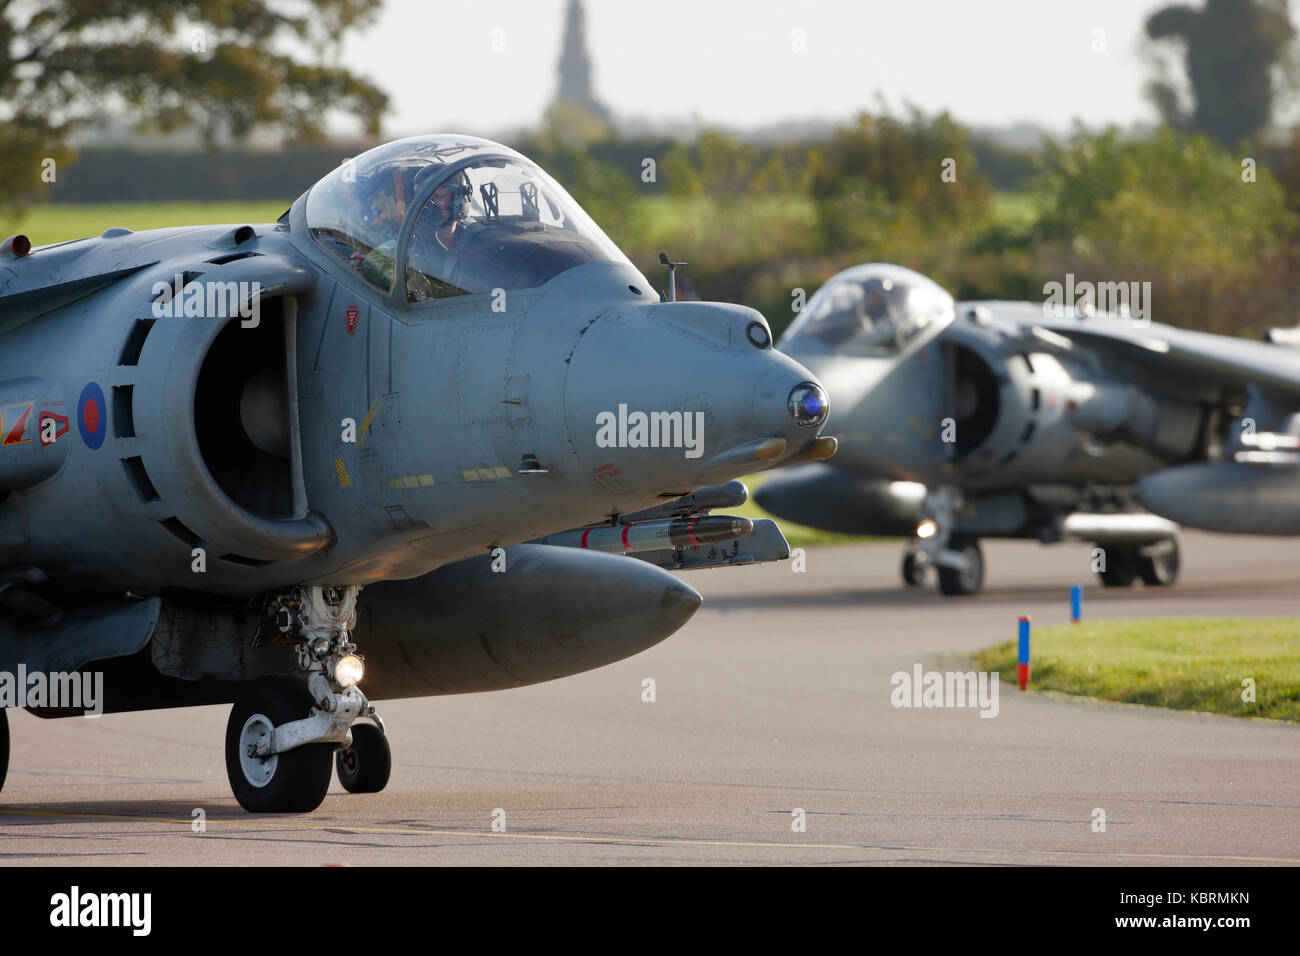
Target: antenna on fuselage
{"x": 672, "y": 275}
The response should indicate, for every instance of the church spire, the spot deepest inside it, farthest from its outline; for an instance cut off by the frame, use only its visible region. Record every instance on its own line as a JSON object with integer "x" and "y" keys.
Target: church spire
{"x": 575, "y": 65}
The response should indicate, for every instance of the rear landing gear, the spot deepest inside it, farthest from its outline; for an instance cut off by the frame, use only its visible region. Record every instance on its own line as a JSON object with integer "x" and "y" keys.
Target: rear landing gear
{"x": 282, "y": 733}
{"x": 1159, "y": 564}
{"x": 1121, "y": 567}
{"x": 1156, "y": 564}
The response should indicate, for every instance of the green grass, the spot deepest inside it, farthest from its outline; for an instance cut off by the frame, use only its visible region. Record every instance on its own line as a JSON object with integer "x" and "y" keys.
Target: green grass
{"x": 799, "y": 536}
{"x": 54, "y": 222}
{"x": 1016, "y": 209}
{"x": 1183, "y": 663}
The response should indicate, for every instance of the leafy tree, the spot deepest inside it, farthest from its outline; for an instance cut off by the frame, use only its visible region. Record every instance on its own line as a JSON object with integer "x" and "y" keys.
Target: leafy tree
{"x": 887, "y": 182}
{"x": 1231, "y": 51}
{"x": 219, "y": 65}
{"x": 722, "y": 168}
{"x": 1174, "y": 210}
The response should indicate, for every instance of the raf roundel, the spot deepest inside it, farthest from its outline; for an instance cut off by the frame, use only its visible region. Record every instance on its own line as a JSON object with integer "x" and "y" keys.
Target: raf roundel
{"x": 91, "y": 418}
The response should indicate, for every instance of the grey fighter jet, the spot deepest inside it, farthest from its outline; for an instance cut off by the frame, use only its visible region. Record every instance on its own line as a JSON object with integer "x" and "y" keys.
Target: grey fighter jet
{"x": 411, "y": 420}
{"x": 962, "y": 421}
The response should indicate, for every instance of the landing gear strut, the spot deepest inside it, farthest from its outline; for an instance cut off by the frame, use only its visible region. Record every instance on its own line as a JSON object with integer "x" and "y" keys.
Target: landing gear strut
{"x": 281, "y": 733}
{"x": 956, "y": 555}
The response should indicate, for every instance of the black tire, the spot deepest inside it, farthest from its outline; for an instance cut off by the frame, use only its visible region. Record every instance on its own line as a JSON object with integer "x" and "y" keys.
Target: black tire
{"x": 1160, "y": 569}
{"x": 4, "y": 747}
{"x": 1121, "y": 567}
{"x": 295, "y": 781}
{"x": 364, "y": 767}
{"x": 955, "y": 583}
{"x": 913, "y": 571}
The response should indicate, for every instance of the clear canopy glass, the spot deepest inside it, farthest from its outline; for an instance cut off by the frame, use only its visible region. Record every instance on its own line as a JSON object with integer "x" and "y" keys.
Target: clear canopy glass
{"x": 479, "y": 217}
{"x": 873, "y": 309}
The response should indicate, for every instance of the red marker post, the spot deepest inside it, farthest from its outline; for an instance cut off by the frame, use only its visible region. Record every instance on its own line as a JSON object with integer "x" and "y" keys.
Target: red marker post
{"x": 1022, "y": 659}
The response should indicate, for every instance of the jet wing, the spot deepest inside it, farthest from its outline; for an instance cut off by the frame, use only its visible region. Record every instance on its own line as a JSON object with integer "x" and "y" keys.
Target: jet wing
{"x": 55, "y": 276}
{"x": 1166, "y": 350}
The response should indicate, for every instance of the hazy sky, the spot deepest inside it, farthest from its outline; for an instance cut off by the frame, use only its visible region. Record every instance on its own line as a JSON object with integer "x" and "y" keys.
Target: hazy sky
{"x": 732, "y": 61}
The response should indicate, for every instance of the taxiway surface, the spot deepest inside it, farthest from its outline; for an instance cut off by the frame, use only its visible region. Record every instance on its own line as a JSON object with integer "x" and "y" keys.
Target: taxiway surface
{"x": 775, "y": 697}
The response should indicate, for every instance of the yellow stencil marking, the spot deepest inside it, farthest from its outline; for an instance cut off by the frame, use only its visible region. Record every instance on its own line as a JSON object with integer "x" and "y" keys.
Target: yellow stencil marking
{"x": 344, "y": 480}
{"x": 365, "y": 423}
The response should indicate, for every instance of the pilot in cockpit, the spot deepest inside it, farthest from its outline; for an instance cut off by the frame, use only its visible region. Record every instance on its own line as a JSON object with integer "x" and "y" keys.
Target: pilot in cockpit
{"x": 438, "y": 231}
{"x": 857, "y": 312}
{"x": 379, "y": 213}
{"x": 875, "y": 302}
{"x": 451, "y": 200}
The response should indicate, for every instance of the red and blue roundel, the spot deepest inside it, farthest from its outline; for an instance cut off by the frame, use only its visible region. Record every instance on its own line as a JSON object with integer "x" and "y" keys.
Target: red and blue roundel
{"x": 92, "y": 415}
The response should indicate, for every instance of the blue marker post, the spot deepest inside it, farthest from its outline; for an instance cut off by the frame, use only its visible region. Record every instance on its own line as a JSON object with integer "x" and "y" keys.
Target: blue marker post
{"x": 1022, "y": 660}
{"x": 1076, "y": 604}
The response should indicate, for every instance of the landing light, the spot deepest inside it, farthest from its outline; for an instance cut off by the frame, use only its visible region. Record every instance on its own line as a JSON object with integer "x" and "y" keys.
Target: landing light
{"x": 349, "y": 670}
{"x": 926, "y": 529}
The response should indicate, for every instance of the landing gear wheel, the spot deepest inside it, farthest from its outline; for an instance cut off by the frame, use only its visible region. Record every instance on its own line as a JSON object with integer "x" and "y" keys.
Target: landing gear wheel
{"x": 955, "y": 581}
{"x": 914, "y": 568}
{"x": 364, "y": 767}
{"x": 4, "y": 747}
{"x": 292, "y": 782}
{"x": 1121, "y": 567}
{"x": 1160, "y": 569}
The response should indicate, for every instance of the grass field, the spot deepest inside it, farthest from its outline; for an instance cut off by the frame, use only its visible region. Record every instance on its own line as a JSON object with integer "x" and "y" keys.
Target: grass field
{"x": 59, "y": 222}
{"x": 657, "y": 220}
{"x": 1183, "y": 663}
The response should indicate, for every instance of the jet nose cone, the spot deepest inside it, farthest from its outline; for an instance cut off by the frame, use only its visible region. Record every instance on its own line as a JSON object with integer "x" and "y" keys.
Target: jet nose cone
{"x": 679, "y": 603}
{"x": 677, "y": 396}
{"x": 808, "y": 405}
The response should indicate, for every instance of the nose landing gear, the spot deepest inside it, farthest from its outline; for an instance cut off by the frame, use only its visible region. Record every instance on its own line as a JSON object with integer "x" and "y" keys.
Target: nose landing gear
{"x": 957, "y": 556}
{"x": 281, "y": 733}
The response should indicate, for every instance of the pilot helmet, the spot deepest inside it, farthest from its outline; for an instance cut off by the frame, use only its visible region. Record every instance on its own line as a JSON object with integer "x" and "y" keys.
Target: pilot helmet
{"x": 378, "y": 202}
{"x": 457, "y": 182}
{"x": 877, "y": 297}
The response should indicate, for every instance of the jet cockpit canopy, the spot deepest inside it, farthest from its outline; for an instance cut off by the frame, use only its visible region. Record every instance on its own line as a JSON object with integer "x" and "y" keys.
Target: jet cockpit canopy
{"x": 872, "y": 309}
{"x": 444, "y": 215}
